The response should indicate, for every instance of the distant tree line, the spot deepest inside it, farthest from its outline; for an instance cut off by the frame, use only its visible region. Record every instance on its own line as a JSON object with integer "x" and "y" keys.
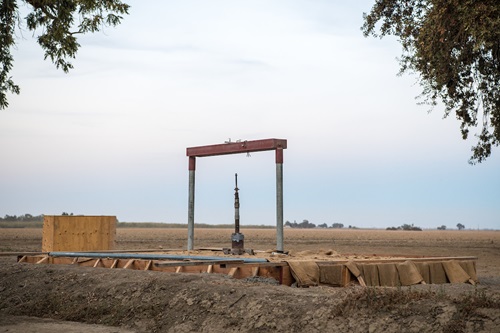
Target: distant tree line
{"x": 305, "y": 224}
{"x": 460, "y": 226}
{"x": 27, "y": 217}
{"x": 405, "y": 226}
{"x": 22, "y": 218}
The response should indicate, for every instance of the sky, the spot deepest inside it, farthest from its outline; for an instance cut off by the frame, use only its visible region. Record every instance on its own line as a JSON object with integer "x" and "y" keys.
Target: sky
{"x": 110, "y": 137}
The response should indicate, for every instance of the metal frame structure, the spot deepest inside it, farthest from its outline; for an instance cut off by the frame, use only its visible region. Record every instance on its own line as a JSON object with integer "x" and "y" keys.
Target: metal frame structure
{"x": 237, "y": 148}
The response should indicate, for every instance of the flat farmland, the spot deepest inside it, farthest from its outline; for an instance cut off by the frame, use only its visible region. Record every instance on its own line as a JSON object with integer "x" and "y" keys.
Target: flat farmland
{"x": 483, "y": 244}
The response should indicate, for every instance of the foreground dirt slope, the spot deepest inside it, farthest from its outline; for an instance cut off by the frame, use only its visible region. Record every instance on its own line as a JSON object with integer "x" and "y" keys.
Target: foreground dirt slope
{"x": 162, "y": 302}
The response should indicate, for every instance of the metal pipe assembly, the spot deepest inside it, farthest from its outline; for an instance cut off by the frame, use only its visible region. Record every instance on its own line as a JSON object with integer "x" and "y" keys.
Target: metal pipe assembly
{"x": 236, "y": 206}
{"x": 237, "y": 238}
{"x": 151, "y": 256}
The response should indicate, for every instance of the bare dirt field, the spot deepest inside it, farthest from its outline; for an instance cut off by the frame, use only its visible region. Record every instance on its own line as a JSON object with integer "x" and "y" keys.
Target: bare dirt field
{"x": 49, "y": 298}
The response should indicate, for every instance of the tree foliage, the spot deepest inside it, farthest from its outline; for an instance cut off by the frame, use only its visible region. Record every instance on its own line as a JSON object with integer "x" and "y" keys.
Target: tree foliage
{"x": 460, "y": 226}
{"x": 305, "y": 224}
{"x": 58, "y": 22}
{"x": 454, "y": 47}
{"x": 407, "y": 227}
{"x": 22, "y": 218}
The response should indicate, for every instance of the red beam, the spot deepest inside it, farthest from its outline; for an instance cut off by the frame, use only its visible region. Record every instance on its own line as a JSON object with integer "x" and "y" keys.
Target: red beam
{"x": 236, "y": 147}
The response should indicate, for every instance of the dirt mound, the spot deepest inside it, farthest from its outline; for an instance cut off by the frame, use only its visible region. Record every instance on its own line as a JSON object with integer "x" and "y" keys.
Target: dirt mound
{"x": 164, "y": 302}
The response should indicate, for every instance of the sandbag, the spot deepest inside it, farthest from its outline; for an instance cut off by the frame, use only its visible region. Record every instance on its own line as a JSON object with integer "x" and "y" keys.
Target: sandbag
{"x": 331, "y": 275}
{"x": 423, "y": 269}
{"x": 370, "y": 274}
{"x": 409, "y": 274}
{"x": 437, "y": 273}
{"x": 388, "y": 275}
{"x": 353, "y": 268}
{"x": 470, "y": 267}
{"x": 305, "y": 272}
{"x": 351, "y": 265}
{"x": 454, "y": 272}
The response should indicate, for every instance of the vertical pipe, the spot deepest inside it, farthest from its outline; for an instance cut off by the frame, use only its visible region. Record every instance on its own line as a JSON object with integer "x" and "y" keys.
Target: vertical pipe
{"x": 236, "y": 206}
{"x": 279, "y": 200}
{"x": 192, "y": 168}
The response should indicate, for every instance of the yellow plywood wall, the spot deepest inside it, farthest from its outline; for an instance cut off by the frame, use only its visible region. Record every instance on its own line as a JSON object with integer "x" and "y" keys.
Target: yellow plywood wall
{"x": 78, "y": 233}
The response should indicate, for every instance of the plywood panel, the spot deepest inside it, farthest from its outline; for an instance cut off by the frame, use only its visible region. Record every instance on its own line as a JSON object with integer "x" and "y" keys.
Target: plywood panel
{"x": 78, "y": 233}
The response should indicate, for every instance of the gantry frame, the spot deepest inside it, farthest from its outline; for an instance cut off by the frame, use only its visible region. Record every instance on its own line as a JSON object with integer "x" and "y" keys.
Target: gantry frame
{"x": 237, "y": 148}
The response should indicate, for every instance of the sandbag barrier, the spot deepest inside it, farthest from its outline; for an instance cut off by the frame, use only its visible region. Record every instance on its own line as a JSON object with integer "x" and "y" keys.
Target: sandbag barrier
{"x": 391, "y": 272}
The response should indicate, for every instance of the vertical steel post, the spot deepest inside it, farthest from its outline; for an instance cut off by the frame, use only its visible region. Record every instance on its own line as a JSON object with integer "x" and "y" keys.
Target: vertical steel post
{"x": 279, "y": 199}
{"x": 192, "y": 169}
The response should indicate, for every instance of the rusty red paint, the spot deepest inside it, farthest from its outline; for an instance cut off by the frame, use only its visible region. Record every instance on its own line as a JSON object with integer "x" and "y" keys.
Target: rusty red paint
{"x": 237, "y": 147}
{"x": 192, "y": 163}
{"x": 279, "y": 155}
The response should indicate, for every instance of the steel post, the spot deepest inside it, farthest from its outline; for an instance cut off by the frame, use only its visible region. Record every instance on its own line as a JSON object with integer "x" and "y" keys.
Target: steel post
{"x": 279, "y": 200}
{"x": 192, "y": 168}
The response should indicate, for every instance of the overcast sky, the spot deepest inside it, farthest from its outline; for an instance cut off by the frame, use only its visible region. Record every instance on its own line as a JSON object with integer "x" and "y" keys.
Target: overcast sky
{"x": 110, "y": 137}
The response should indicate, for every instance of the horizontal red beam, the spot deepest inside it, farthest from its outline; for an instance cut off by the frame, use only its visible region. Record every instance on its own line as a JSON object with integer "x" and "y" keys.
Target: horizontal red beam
{"x": 236, "y": 147}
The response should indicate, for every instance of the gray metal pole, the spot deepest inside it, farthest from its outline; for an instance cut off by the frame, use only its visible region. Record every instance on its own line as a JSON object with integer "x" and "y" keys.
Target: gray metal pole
{"x": 279, "y": 207}
{"x": 191, "y": 204}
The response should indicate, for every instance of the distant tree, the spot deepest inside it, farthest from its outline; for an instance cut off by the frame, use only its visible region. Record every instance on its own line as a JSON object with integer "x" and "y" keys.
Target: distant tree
{"x": 291, "y": 224}
{"x": 306, "y": 224}
{"x": 337, "y": 225}
{"x": 10, "y": 218}
{"x": 460, "y": 226}
{"x": 443, "y": 227}
{"x": 410, "y": 227}
{"x": 324, "y": 225}
{"x": 309, "y": 224}
{"x": 454, "y": 47}
{"x": 55, "y": 20}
